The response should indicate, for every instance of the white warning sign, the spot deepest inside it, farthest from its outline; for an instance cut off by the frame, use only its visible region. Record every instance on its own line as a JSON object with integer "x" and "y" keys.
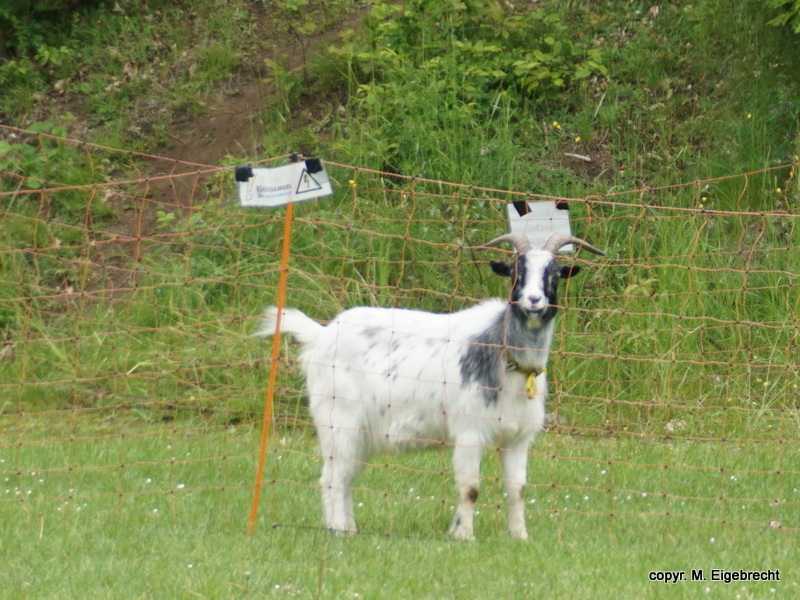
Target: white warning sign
{"x": 277, "y": 186}
{"x": 538, "y": 220}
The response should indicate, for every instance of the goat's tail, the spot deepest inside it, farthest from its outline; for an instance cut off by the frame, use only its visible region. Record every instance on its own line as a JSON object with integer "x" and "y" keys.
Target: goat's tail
{"x": 293, "y": 321}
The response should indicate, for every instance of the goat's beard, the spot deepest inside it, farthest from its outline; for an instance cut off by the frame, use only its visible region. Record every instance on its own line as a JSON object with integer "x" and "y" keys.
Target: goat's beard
{"x": 534, "y": 319}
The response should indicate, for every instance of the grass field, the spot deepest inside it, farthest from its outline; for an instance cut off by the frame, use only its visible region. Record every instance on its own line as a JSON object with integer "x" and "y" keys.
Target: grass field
{"x": 118, "y": 512}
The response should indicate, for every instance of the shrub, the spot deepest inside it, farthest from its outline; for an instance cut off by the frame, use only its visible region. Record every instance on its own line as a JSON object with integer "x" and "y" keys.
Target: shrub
{"x": 790, "y": 13}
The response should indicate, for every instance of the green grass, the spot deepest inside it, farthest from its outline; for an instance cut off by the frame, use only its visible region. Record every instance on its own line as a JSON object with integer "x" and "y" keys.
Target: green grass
{"x": 110, "y": 510}
{"x": 691, "y": 317}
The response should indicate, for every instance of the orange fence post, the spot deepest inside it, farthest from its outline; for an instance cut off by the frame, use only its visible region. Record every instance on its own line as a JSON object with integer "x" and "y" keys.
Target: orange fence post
{"x": 276, "y": 345}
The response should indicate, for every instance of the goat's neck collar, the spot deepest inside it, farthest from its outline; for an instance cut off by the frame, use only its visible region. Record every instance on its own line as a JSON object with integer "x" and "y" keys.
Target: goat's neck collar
{"x": 531, "y": 374}
{"x": 513, "y": 365}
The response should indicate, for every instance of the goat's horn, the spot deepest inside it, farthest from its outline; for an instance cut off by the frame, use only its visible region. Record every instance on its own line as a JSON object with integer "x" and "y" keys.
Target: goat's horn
{"x": 520, "y": 242}
{"x": 557, "y": 240}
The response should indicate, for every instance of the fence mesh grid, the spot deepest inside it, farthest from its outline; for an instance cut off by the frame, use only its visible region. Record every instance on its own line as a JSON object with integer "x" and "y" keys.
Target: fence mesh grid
{"x": 128, "y": 371}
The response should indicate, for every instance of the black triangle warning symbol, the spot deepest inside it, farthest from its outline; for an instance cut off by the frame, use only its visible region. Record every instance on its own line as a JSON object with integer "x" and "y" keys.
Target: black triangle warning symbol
{"x": 307, "y": 183}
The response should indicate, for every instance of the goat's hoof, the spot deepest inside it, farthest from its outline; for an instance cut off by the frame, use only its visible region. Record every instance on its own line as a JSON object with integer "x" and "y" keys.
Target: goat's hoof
{"x": 462, "y": 534}
{"x": 346, "y": 530}
{"x": 519, "y": 535}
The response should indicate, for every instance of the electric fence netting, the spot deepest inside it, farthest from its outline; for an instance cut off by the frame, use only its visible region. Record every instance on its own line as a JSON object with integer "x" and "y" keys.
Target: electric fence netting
{"x": 129, "y": 377}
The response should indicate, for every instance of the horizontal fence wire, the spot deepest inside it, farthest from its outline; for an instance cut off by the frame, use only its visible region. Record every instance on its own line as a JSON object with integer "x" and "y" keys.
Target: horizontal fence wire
{"x": 129, "y": 375}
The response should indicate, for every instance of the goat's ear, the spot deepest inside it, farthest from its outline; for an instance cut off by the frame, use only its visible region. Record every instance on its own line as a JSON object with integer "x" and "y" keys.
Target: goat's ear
{"x": 501, "y": 268}
{"x": 568, "y": 271}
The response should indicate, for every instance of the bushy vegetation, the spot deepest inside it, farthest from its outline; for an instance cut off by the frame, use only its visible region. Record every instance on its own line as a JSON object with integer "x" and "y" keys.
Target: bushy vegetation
{"x": 789, "y": 14}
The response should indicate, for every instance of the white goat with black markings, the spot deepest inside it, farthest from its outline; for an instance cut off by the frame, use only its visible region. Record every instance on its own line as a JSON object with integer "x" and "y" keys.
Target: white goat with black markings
{"x": 391, "y": 380}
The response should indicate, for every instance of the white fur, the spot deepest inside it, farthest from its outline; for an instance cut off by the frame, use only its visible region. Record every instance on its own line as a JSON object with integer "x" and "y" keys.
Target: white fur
{"x": 534, "y": 298}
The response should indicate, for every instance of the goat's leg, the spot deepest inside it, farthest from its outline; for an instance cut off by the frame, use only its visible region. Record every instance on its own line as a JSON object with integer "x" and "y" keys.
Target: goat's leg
{"x": 342, "y": 464}
{"x": 515, "y": 470}
{"x": 467, "y": 466}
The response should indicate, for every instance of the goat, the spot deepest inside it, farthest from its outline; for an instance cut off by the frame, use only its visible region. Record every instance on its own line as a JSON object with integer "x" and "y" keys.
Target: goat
{"x": 391, "y": 380}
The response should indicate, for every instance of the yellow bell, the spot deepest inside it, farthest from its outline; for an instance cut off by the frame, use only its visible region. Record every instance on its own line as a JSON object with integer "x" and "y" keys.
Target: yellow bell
{"x": 530, "y": 383}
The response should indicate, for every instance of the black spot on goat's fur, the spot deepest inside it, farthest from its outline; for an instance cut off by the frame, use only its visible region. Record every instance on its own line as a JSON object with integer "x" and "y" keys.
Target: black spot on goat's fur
{"x": 481, "y": 362}
{"x": 372, "y": 332}
{"x": 552, "y": 275}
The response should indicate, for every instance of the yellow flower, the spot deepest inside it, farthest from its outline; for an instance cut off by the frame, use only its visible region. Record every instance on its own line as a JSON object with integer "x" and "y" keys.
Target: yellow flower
{"x": 556, "y": 125}
{"x": 578, "y": 138}
{"x": 749, "y": 116}
{"x": 352, "y": 182}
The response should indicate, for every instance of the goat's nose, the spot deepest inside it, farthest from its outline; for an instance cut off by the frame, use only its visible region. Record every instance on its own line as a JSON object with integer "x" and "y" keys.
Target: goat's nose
{"x": 534, "y": 299}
